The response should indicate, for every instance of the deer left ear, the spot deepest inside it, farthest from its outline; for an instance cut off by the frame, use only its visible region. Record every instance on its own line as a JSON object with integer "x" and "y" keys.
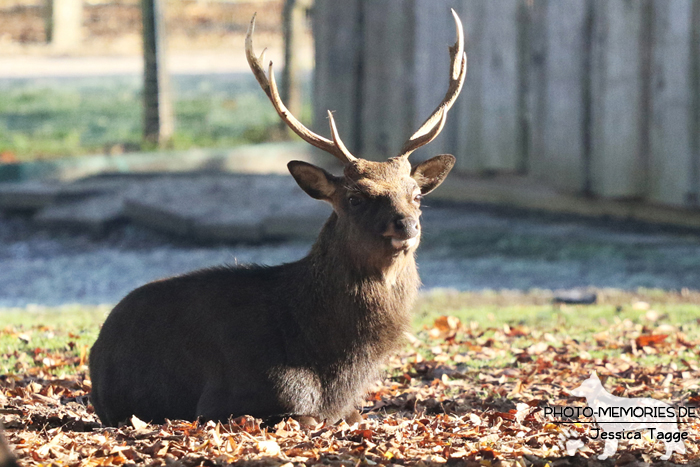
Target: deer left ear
{"x": 315, "y": 181}
{"x": 431, "y": 173}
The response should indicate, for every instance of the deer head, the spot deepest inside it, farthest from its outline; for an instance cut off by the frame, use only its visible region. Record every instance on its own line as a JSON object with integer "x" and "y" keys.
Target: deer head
{"x": 377, "y": 203}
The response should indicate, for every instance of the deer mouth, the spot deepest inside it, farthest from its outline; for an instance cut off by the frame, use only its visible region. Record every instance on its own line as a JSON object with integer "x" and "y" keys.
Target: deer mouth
{"x": 406, "y": 244}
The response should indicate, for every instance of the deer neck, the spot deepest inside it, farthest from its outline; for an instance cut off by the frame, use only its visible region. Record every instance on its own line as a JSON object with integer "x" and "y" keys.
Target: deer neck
{"x": 362, "y": 303}
{"x": 356, "y": 267}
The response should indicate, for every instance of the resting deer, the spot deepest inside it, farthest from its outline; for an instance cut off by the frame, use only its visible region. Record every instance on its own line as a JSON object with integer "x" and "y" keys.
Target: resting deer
{"x": 300, "y": 339}
{"x": 7, "y": 459}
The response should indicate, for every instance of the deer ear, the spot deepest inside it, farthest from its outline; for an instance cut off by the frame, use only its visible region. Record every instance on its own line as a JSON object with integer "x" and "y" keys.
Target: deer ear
{"x": 315, "y": 181}
{"x": 431, "y": 173}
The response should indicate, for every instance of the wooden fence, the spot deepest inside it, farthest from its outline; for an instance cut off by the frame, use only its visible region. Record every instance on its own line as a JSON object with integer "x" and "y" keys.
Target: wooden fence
{"x": 593, "y": 97}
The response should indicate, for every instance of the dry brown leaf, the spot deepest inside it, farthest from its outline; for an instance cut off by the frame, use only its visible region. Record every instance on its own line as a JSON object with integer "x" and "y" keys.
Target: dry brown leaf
{"x": 649, "y": 340}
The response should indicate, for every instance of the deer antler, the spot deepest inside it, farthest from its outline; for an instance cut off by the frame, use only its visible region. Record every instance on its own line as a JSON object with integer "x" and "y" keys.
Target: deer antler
{"x": 434, "y": 124}
{"x": 335, "y": 147}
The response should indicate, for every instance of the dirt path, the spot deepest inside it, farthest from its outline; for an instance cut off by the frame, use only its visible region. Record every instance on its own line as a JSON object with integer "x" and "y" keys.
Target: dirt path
{"x": 464, "y": 248}
{"x": 179, "y": 62}
{"x": 182, "y": 64}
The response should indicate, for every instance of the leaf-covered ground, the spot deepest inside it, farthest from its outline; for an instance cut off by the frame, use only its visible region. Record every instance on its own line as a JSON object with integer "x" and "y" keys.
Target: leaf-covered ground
{"x": 469, "y": 388}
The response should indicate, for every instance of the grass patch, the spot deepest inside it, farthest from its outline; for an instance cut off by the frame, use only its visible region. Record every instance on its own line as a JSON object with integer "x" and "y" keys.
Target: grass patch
{"x": 527, "y": 320}
{"x": 536, "y": 309}
{"x": 55, "y": 340}
{"x": 55, "y": 117}
{"x": 58, "y": 338}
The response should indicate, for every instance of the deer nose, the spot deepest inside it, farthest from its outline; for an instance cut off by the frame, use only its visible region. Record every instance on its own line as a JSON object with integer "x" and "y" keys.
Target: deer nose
{"x": 406, "y": 227}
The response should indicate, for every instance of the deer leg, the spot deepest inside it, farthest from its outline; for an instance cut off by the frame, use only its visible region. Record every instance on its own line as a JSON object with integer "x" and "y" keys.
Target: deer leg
{"x": 219, "y": 402}
{"x": 352, "y": 417}
{"x": 307, "y": 421}
{"x": 212, "y": 403}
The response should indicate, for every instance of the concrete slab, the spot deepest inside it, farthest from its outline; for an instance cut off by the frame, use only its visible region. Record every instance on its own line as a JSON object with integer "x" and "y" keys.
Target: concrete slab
{"x": 94, "y": 215}
{"x": 228, "y": 208}
{"x": 26, "y": 196}
{"x": 32, "y": 196}
{"x": 258, "y": 158}
{"x": 158, "y": 218}
{"x": 228, "y": 232}
{"x": 304, "y": 226}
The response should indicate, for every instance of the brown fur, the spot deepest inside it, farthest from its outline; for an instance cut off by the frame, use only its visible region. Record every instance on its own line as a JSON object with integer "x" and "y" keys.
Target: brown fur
{"x": 7, "y": 459}
{"x": 303, "y": 339}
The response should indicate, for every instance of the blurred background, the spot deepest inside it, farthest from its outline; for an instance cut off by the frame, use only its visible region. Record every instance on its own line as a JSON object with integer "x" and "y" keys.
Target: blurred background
{"x": 135, "y": 143}
{"x": 72, "y": 75}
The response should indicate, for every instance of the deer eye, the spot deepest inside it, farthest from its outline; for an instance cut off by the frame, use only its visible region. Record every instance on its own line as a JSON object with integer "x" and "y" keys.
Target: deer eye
{"x": 417, "y": 198}
{"x": 355, "y": 201}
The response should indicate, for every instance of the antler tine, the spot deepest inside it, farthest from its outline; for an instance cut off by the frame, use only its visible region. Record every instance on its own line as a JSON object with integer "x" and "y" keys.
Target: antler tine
{"x": 338, "y": 142}
{"x": 335, "y": 147}
{"x": 458, "y": 71}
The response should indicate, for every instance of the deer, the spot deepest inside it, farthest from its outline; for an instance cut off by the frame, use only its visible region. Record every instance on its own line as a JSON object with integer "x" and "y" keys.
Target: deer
{"x": 304, "y": 339}
{"x": 7, "y": 459}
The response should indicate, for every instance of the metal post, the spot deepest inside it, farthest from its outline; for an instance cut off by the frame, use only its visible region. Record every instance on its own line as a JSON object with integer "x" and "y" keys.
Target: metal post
{"x": 157, "y": 108}
{"x": 293, "y": 19}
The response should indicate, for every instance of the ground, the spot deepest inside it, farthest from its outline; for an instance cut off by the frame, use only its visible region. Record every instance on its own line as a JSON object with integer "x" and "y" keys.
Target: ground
{"x": 463, "y": 247}
{"x": 469, "y": 388}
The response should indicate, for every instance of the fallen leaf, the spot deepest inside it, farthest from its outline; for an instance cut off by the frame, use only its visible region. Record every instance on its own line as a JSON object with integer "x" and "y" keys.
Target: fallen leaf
{"x": 649, "y": 340}
{"x": 137, "y": 423}
{"x": 269, "y": 448}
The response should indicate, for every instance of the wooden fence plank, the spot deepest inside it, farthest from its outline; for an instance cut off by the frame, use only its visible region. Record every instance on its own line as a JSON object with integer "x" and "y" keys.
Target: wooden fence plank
{"x": 617, "y": 166}
{"x": 694, "y": 197}
{"x": 468, "y": 111}
{"x": 337, "y": 33}
{"x": 387, "y": 88}
{"x": 670, "y": 157}
{"x": 502, "y": 148}
{"x": 434, "y": 32}
{"x": 559, "y": 65}
{"x": 488, "y": 112}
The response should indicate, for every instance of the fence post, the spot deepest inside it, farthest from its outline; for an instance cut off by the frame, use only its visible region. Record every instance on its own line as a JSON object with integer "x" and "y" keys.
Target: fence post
{"x": 64, "y": 23}
{"x": 157, "y": 109}
{"x": 293, "y": 16}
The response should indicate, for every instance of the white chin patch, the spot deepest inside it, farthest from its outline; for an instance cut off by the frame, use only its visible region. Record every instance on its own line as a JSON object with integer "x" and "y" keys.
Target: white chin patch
{"x": 403, "y": 244}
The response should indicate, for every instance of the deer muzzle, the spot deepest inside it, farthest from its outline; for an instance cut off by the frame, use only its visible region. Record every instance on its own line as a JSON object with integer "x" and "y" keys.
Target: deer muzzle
{"x": 403, "y": 232}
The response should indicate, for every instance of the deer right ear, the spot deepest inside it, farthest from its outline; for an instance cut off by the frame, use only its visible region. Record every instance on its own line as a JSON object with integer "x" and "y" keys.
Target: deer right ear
{"x": 430, "y": 174}
{"x": 315, "y": 181}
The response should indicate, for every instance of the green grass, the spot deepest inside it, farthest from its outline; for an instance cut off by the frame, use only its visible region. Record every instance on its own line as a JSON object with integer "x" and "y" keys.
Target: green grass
{"x": 494, "y": 309}
{"x": 607, "y": 328}
{"x": 48, "y": 118}
{"x": 39, "y": 337}
{"x": 28, "y": 336}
